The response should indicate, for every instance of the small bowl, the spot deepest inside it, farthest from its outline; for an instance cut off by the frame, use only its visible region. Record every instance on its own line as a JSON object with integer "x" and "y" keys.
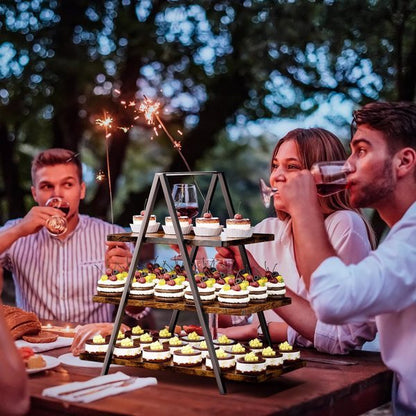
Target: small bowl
{"x": 207, "y": 232}
{"x": 169, "y": 229}
{"x": 150, "y": 228}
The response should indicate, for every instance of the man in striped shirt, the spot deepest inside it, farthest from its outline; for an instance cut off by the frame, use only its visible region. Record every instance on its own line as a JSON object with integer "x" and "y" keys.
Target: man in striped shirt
{"x": 56, "y": 276}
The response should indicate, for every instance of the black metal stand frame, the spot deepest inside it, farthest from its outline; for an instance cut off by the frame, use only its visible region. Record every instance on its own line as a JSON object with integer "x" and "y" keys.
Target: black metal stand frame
{"x": 161, "y": 179}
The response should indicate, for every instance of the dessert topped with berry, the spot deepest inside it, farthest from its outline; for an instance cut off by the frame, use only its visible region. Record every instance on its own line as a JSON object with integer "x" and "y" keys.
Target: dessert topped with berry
{"x": 234, "y": 294}
{"x": 238, "y": 227}
{"x": 276, "y": 287}
{"x": 152, "y": 226}
{"x": 111, "y": 283}
{"x": 207, "y": 225}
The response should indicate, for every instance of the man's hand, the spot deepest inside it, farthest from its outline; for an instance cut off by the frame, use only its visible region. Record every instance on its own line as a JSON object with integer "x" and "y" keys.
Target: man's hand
{"x": 118, "y": 256}
{"x": 35, "y": 219}
{"x": 85, "y": 332}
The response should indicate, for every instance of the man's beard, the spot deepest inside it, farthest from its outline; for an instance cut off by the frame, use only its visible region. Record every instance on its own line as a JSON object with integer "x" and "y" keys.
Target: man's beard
{"x": 382, "y": 186}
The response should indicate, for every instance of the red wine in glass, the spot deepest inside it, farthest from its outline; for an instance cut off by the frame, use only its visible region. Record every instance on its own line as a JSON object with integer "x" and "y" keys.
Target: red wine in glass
{"x": 187, "y": 211}
{"x": 325, "y": 189}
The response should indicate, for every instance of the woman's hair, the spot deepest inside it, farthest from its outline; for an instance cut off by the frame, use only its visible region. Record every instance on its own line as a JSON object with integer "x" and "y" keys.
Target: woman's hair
{"x": 53, "y": 157}
{"x": 317, "y": 145}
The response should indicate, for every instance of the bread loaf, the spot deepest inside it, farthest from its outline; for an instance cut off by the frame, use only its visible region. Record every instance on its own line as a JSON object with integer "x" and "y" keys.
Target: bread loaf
{"x": 20, "y": 322}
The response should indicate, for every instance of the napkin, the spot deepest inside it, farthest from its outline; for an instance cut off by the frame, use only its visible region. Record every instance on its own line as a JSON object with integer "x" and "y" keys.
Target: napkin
{"x": 98, "y": 387}
{"x": 45, "y": 346}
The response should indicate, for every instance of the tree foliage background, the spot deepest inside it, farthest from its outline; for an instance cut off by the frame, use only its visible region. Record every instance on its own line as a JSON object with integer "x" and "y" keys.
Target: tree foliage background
{"x": 212, "y": 64}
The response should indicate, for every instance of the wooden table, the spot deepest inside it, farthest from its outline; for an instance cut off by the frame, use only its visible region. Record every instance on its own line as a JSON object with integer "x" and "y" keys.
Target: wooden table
{"x": 317, "y": 389}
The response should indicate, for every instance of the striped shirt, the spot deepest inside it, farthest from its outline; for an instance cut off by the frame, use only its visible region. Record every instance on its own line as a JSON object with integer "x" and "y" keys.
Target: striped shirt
{"x": 57, "y": 279}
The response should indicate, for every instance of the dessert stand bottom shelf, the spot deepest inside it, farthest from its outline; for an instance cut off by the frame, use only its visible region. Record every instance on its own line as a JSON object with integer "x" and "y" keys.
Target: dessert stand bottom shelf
{"x": 201, "y": 370}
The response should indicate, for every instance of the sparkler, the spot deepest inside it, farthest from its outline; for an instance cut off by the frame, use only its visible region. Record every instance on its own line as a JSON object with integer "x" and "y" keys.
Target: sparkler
{"x": 106, "y": 122}
{"x": 150, "y": 110}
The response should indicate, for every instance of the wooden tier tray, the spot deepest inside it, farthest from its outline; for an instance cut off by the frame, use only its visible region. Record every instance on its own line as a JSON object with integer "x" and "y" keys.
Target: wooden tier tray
{"x": 161, "y": 238}
{"x": 201, "y": 370}
{"x": 210, "y": 308}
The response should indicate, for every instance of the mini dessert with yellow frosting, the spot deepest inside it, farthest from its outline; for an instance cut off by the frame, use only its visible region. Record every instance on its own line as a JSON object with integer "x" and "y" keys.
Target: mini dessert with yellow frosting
{"x": 255, "y": 345}
{"x": 273, "y": 358}
{"x": 237, "y": 350}
{"x": 156, "y": 352}
{"x": 224, "y": 341}
{"x": 136, "y": 331}
{"x": 127, "y": 348}
{"x": 288, "y": 352}
{"x": 98, "y": 345}
{"x": 187, "y": 356}
{"x": 225, "y": 360}
{"x": 203, "y": 347}
{"x": 193, "y": 338}
{"x": 176, "y": 343}
{"x": 251, "y": 363}
{"x": 164, "y": 335}
{"x": 145, "y": 339}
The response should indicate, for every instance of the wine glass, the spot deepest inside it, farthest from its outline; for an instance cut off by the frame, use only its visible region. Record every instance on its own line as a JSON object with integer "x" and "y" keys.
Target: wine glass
{"x": 56, "y": 224}
{"x": 186, "y": 202}
{"x": 330, "y": 177}
{"x": 185, "y": 199}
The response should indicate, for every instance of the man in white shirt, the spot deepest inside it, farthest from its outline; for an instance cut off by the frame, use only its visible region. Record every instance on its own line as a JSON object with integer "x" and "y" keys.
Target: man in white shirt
{"x": 382, "y": 285}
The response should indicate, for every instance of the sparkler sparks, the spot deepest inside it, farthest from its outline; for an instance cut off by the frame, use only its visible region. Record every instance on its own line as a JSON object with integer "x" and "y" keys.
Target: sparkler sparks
{"x": 147, "y": 108}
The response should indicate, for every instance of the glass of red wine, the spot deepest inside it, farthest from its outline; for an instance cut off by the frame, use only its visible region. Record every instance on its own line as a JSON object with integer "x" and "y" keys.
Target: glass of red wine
{"x": 56, "y": 224}
{"x": 186, "y": 202}
{"x": 330, "y": 177}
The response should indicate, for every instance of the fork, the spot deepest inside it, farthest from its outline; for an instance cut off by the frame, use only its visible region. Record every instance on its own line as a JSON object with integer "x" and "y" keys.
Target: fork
{"x": 120, "y": 383}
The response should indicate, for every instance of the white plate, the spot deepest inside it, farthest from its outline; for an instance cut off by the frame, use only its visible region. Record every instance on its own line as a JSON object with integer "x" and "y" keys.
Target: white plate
{"x": 150, "y": 228}
{"x": 207, "y": 232}
{"x": 168, "y": 229}
{"x": 69, "y": 359}
{"x": 51, "y": 362}
{"x": 45, "y": 346}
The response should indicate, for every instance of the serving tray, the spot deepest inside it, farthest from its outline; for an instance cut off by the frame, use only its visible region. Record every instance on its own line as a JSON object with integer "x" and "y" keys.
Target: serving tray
{"x": 201, "y": 370}
{"x": 210, "y": 308}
